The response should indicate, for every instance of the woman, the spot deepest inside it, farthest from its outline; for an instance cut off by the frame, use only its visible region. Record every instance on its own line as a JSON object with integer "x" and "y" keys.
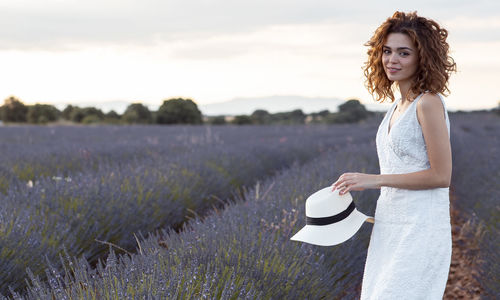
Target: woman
{"x": 410, "y": 247}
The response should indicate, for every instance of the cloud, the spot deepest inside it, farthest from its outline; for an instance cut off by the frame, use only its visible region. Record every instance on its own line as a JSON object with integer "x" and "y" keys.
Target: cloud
{"x": 67, "y": 23}
{"x": 324, "y": 40}
{"x": 71, "y": 24}
{"x": 471, "y": 29}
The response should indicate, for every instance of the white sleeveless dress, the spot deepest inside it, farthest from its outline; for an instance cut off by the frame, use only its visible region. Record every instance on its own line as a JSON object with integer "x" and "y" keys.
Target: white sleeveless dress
{"x": 409, "y": 253}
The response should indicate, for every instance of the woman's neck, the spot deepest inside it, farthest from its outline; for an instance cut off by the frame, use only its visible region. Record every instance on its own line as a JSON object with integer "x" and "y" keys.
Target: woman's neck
{"x": 404, "y": 89}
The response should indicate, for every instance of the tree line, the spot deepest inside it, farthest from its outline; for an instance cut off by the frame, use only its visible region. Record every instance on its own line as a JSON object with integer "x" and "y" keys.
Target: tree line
{"x": 172, "y": 111}
{"x": 351, "y": 111}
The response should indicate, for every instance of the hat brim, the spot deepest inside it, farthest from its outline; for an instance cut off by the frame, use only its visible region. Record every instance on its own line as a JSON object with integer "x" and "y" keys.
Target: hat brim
{"x": 332, "y": 234}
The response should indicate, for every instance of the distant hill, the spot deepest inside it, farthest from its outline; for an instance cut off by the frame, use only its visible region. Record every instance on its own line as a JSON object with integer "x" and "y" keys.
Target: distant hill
{"x": 274, "y": 104}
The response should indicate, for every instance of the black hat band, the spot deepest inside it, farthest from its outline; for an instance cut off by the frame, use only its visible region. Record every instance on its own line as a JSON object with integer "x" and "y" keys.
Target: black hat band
{"x": 331, "y": 219}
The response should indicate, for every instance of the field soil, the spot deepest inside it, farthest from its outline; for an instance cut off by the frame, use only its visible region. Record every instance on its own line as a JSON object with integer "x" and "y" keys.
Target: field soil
{"x": 463, "y": 270}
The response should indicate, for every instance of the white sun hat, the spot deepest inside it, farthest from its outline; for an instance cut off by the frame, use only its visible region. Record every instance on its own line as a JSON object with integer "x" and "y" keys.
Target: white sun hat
{"x": 331, "y": 218}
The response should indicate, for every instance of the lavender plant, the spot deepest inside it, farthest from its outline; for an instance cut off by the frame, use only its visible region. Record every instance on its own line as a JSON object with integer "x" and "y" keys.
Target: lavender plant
{"x": 111, "y": 195}
{"x": 243, "y": 252}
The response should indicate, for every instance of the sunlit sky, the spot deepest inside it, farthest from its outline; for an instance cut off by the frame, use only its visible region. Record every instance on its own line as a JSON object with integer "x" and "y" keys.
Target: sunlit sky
{"x": 69, "y": 51}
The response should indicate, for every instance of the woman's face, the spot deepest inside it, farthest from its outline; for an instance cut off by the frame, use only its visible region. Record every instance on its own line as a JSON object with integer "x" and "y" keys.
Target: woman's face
{"x": 399, "y": 57}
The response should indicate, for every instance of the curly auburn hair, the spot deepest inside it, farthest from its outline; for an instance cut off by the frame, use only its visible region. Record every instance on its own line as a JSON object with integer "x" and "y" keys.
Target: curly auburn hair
{"x": 434, "y": 63}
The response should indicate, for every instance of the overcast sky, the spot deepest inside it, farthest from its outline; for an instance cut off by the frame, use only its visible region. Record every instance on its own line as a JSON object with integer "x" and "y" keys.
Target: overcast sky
{"x": 69, "y": 51}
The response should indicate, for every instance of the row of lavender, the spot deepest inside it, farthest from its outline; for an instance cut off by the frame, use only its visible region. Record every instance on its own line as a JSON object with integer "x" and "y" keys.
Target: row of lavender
{"x": 80, "y": 189}
{"x": 476, "y": 183}
{"x": 243, "y": 252}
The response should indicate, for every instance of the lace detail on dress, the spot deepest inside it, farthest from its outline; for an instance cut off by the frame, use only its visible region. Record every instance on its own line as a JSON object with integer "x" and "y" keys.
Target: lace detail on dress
{"x": 405, "y": 149}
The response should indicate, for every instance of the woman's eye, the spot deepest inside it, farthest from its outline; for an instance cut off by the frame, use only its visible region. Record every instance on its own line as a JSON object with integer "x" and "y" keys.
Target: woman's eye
{"x": 404, "y": 53}
{"x": 386, "y": 51}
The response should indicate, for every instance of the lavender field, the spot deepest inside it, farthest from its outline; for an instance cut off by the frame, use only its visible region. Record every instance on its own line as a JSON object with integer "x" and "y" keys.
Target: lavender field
{"x": 190, "y": 212}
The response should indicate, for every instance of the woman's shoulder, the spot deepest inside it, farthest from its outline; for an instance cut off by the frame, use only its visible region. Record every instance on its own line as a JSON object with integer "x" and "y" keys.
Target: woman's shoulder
{"x": 430, "y": 104}
{"x": 430, "y": 100}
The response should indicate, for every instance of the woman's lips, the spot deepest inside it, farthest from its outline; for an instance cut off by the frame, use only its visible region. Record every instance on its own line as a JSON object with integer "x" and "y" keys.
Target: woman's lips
{"x": 393, "y": 70}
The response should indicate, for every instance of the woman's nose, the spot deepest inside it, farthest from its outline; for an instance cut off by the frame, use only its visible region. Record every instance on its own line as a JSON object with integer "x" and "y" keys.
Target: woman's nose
{"x": 393, "y": 58}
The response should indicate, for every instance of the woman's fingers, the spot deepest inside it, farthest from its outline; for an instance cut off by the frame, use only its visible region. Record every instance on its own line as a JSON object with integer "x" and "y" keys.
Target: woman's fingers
{"x": 352, "y": 182}
{"x": 341, "y": 184}
{"x": 344, "y": 190}
{"x": 335, "y": 185}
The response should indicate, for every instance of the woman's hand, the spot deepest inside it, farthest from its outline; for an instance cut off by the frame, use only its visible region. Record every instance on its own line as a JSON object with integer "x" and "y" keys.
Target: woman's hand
{"x": 355, "y": 182}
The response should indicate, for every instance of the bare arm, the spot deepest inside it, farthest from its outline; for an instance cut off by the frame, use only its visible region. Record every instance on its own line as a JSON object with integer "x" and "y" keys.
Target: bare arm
{"x": 430, "y": 114}
{"x": 421, "y": 180}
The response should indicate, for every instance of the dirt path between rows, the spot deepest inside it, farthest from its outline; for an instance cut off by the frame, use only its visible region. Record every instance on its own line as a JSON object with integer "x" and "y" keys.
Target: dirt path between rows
{"x": 461, "y": 282}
